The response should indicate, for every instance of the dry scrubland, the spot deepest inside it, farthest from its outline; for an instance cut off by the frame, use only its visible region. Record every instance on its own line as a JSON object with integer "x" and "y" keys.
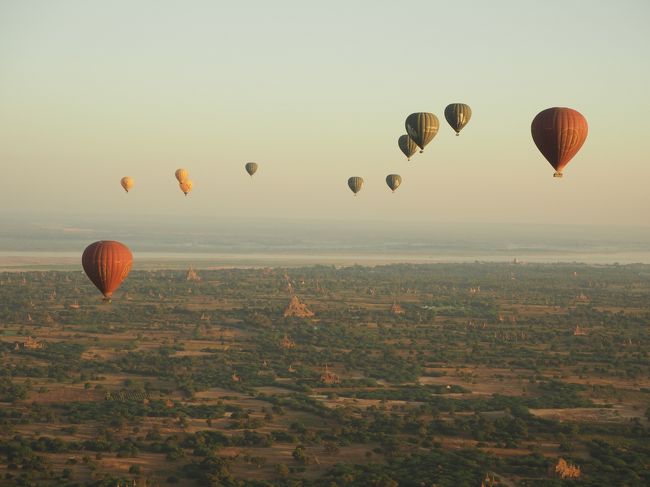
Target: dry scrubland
{"x": 405, "y": 375}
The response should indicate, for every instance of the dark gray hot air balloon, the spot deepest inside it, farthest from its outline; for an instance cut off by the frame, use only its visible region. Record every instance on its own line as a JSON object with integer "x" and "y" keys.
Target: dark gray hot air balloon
{"x": 393, "y": 181}
{"x": 251, "y": 168}
{"x": 355, "y": 183}
{"x": 457, "y": 115}
{"x": 422, "y": 128}
{"x": 407, "y": 146}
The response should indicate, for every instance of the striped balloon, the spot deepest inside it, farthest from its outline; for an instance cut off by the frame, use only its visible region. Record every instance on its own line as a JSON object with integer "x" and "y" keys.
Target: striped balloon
{"x": 559, "y": 133}
{"x": 407, "y": 146}
{"x": 393, "y": 181}
{"x": 355, "y": 183}
{"x": 457, "y": 115}
{"x": 251, "y": 168}
{"x": 107, "y": 263}
{"x": 422, "y": 128}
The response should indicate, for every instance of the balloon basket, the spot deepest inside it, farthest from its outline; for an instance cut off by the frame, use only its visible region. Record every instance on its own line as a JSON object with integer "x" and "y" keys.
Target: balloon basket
{"x": 557, "y": 175}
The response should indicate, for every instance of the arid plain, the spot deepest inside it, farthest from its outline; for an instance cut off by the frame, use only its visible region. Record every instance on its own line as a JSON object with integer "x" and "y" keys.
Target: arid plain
{"x": 441, "y": 374}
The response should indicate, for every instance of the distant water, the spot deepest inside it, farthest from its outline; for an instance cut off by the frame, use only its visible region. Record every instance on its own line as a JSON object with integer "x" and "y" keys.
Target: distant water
{"x": 156, "y": 243}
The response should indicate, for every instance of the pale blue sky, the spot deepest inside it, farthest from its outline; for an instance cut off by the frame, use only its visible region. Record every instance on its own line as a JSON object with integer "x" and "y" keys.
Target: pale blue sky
{"x": 316, "y": 92}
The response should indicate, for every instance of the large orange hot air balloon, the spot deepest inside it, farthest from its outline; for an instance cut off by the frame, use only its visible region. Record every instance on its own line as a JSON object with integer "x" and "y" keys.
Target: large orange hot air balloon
{"x": 107, "y": 263}
{"x": 559, "y": 134}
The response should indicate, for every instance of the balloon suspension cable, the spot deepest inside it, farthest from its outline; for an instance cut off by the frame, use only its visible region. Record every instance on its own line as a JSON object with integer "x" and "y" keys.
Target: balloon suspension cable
{"x": 557, "y": 174}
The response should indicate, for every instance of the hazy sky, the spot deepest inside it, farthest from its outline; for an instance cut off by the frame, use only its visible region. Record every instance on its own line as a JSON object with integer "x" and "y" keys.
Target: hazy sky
{"x": 316, "y": 92}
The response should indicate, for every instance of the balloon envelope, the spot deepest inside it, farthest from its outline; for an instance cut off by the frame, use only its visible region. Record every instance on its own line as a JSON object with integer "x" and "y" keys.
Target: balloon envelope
{"x": 393, "y": 181}
{"x": 559, "y": 133}
{"x": 251, "y": 168}
{"x": 186, "y": 186}
{"x": 457, "y": 115}
{"x": 355, "y": 183}
{"x": 181, "y": 175}
{"x": 127, "y": 183}
{"x": 407, "y": 146}
{"x": 422, "y": 127}
{"x": 107, "y": 263}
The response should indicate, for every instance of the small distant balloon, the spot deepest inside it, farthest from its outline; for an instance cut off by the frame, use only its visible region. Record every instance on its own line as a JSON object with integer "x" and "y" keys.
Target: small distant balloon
{"x": 458, "y": 115}
{"x": 181, "y": 175}
{"x": 422, "y": 127}
{"x": 559, "y": 133}
{"x": 186, "y": 186}
{"x": 407, "y": 146}
{"x": 251, "y": 168}
{"x": 107, "y": 263}
{"x": 127, "y": 183}
{"x": 355, "y": 183}
{"x": 393, "y": 181}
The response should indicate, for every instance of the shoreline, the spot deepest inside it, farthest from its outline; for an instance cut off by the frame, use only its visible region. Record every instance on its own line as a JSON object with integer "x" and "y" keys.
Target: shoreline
{"x": 17, "y": 261}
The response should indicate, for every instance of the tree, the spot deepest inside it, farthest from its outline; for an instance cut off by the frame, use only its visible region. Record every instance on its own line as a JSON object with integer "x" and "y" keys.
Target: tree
{"x": 300, "y": 455}
{"x": 282, "y": 470}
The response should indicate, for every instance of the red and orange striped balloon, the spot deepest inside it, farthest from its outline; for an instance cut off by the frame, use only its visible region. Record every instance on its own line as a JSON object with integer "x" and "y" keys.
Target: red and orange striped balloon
{"x": 107, "y": 263}
{"x": 559, "y": 134}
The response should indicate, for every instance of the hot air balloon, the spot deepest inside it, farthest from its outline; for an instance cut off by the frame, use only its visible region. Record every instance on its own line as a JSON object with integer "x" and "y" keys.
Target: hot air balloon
{"x": 127, "y": 183}
{"x": 422, "y": 128}
{"x": 393, "y": 181}
{"x": 355, "y": 183}
{"x": 407, "y": 146}
{"x": 559, "y": 133}
{"x": 186, "y": 186}
{"x": 107, "y": 263}
{"x": 251, "y": 168}
{"x": 457, "y": 115}
{"x": 181, "y": 175}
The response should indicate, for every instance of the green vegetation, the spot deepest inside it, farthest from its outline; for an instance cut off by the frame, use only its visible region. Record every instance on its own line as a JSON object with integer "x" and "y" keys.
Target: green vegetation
{"x": 482, "y": 369}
